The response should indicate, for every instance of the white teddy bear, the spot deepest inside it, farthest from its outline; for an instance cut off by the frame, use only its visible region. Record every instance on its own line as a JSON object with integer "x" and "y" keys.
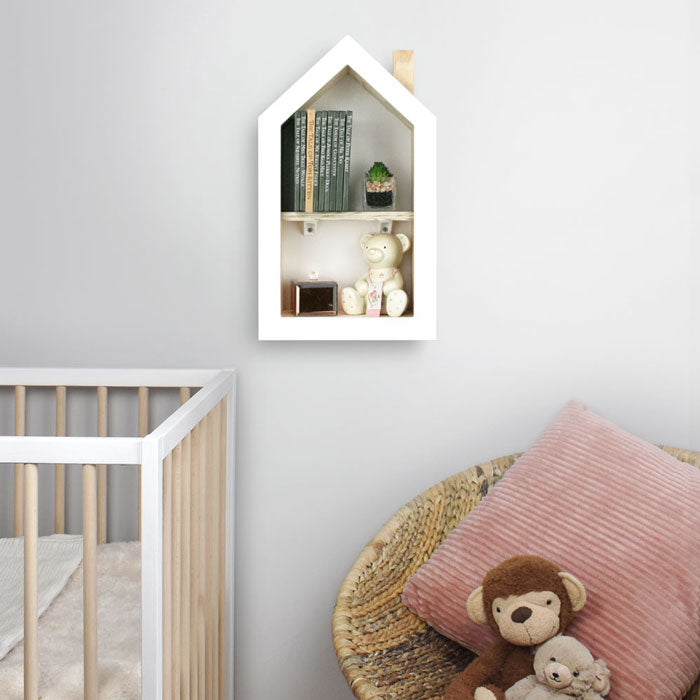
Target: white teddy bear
{"x": 381, "y": 287}
{"x": 563, "y": 667}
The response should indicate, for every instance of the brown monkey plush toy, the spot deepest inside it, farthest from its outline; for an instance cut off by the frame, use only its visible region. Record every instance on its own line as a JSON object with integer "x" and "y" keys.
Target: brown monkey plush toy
{"x": 526, "y": 600}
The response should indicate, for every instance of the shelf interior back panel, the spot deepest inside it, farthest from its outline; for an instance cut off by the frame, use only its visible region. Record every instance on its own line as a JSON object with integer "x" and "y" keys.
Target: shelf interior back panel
{"x": 334, "y": 251}
{"x": 378, "y": 134}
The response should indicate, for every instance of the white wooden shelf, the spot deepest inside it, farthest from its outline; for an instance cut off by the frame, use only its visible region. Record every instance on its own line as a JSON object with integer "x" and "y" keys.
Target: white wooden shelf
{"x": 288, "y": 313}
{"x": 348, "y": 216}
{"x": 276, "y": 258}
{"x": 311, "y": 220}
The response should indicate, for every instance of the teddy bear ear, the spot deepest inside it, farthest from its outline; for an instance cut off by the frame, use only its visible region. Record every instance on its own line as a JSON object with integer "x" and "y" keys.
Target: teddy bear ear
{"x": 364, "y": 239}
{"x": 575, "y": 589}
{"x": 405, "y": 241}
{"x": 475, "y": 606}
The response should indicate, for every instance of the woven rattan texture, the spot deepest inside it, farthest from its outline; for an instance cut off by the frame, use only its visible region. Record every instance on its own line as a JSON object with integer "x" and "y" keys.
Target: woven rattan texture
{"x": 385, "y": 652}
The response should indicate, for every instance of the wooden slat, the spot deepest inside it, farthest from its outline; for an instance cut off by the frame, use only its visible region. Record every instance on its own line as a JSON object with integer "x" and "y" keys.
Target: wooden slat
{"x": 143, "y": 431}
{"x": 90, "y": 581}
{"x": 185, "y": 653}
{"x": 59, "y": 492}
{"x": 194, "y": 561}
{"x": 31, "y": 616}
{"x": 177, "y": 567}
{"x": 101, "y": 468}
{"x": 20, "y": 395}
{"x": 212, "y": 549}
{"x": 185, "y": 571}
{"x": 216, "y": 561}
{"x": 403, "y": 67}
{"x": 221, "y": 559}
{"x": 167, "y": 574}
{"x": 201, "y": 597}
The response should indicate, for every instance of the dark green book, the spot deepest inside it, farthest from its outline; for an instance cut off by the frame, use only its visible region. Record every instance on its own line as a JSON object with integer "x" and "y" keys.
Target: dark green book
{"x": 322, "y": 163}
{"x": 329, "y": 154}
{"x": 341, "y": 163}
{"x": 302, "y": 163}
{"x": 287, "y": 169}
{"x": 346, "y": 169}
{"x": 297, "y": 164}
{"x": 317, "y": 157}
{"x": 334, "y": 161}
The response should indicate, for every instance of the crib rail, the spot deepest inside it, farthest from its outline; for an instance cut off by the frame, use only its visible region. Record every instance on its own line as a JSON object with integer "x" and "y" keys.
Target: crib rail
{"x": 185, "y": 523}
{"x": 154, "y": 378}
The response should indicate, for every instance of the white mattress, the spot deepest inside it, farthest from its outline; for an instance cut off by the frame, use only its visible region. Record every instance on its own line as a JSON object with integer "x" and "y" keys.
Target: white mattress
{"x": 61, "y": 634}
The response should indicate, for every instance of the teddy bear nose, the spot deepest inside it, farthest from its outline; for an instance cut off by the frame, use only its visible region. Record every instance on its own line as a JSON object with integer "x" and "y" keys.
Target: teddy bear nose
{"x": 555, "y": 675}
{"x": 521, "y": 614}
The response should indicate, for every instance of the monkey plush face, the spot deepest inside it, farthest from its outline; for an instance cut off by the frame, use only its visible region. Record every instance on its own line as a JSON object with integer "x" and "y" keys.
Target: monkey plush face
{"x": 527, "y": 600}
{"x": 527, "y": 619}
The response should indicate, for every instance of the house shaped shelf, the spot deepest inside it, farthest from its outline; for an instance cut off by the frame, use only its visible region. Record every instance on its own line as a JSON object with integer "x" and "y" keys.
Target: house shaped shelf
{"x": 390, "y": 124}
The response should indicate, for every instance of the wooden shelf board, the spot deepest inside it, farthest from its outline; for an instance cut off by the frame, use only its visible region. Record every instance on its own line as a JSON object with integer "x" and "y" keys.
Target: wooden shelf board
{"x": 347, "y": 216}
{"x": 288, "y": 313}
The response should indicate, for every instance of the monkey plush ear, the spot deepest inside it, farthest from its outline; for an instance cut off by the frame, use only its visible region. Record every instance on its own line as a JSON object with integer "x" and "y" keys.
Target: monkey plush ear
{"x": 575, "y": 589}
{"x": 405, "y": 241}
{"x": 475, "y": 606}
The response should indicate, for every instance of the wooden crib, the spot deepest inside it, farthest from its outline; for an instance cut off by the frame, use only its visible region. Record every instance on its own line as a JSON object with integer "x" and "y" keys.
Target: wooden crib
{"x": 185, "y": 520}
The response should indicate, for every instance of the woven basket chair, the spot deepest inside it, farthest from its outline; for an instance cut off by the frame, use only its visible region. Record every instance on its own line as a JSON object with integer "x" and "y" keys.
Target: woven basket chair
{"x": 385, "y": 652}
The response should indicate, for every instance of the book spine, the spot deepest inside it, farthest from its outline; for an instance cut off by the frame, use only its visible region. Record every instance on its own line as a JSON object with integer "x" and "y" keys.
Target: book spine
{"x": 297, "y": 153}
{"x": 302, "y": 161}
{"x": 346, "y": 168}
{"x": 309, "y": 179}
{"x": 317, "y": 157}
{"x": 341, "y": 163}
{"x": 329, "y": 154}
{"x": 287, "y": 165}
{"x": 334, "y": 161}
{"x": 322, "y": 164}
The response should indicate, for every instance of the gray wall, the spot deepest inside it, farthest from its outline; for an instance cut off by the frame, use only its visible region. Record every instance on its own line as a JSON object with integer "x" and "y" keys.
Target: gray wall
{"x": 567, "y": 253}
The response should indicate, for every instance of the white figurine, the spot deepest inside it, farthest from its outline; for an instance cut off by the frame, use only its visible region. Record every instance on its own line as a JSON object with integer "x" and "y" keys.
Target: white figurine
{"x": 381, "y": 287}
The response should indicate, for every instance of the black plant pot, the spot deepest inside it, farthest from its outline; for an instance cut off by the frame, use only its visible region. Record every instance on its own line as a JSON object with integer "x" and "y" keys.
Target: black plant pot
{"x": 380, "y": 199}
{"x": 380, "y": 195}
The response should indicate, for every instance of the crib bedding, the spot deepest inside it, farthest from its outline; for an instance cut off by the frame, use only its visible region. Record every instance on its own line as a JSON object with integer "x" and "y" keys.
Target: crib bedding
{"x": 61, "y": 634}
{"x": 58, "y": 557}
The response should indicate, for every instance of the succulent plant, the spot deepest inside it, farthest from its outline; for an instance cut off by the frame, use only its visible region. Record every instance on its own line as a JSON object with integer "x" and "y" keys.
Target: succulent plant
{"x": 378, "y": 172}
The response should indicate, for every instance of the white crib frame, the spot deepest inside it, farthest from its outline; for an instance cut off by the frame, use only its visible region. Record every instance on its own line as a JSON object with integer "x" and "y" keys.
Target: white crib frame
{"x": 150, "y": 452}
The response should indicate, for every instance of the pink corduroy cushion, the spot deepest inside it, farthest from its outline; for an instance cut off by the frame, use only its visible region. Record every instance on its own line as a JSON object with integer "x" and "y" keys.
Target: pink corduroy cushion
{"x": 621, "y": 515}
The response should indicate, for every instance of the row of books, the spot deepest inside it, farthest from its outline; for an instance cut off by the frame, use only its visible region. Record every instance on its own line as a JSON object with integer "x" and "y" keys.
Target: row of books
{"x": 316, "y": 147}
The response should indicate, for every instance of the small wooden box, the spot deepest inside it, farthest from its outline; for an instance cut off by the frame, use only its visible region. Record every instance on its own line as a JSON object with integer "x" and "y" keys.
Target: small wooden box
{"x": 314, "y": 298}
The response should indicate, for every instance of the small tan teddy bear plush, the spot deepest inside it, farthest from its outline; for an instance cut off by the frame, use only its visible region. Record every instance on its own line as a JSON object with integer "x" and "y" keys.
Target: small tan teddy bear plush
{"x": 563, "y": 667}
